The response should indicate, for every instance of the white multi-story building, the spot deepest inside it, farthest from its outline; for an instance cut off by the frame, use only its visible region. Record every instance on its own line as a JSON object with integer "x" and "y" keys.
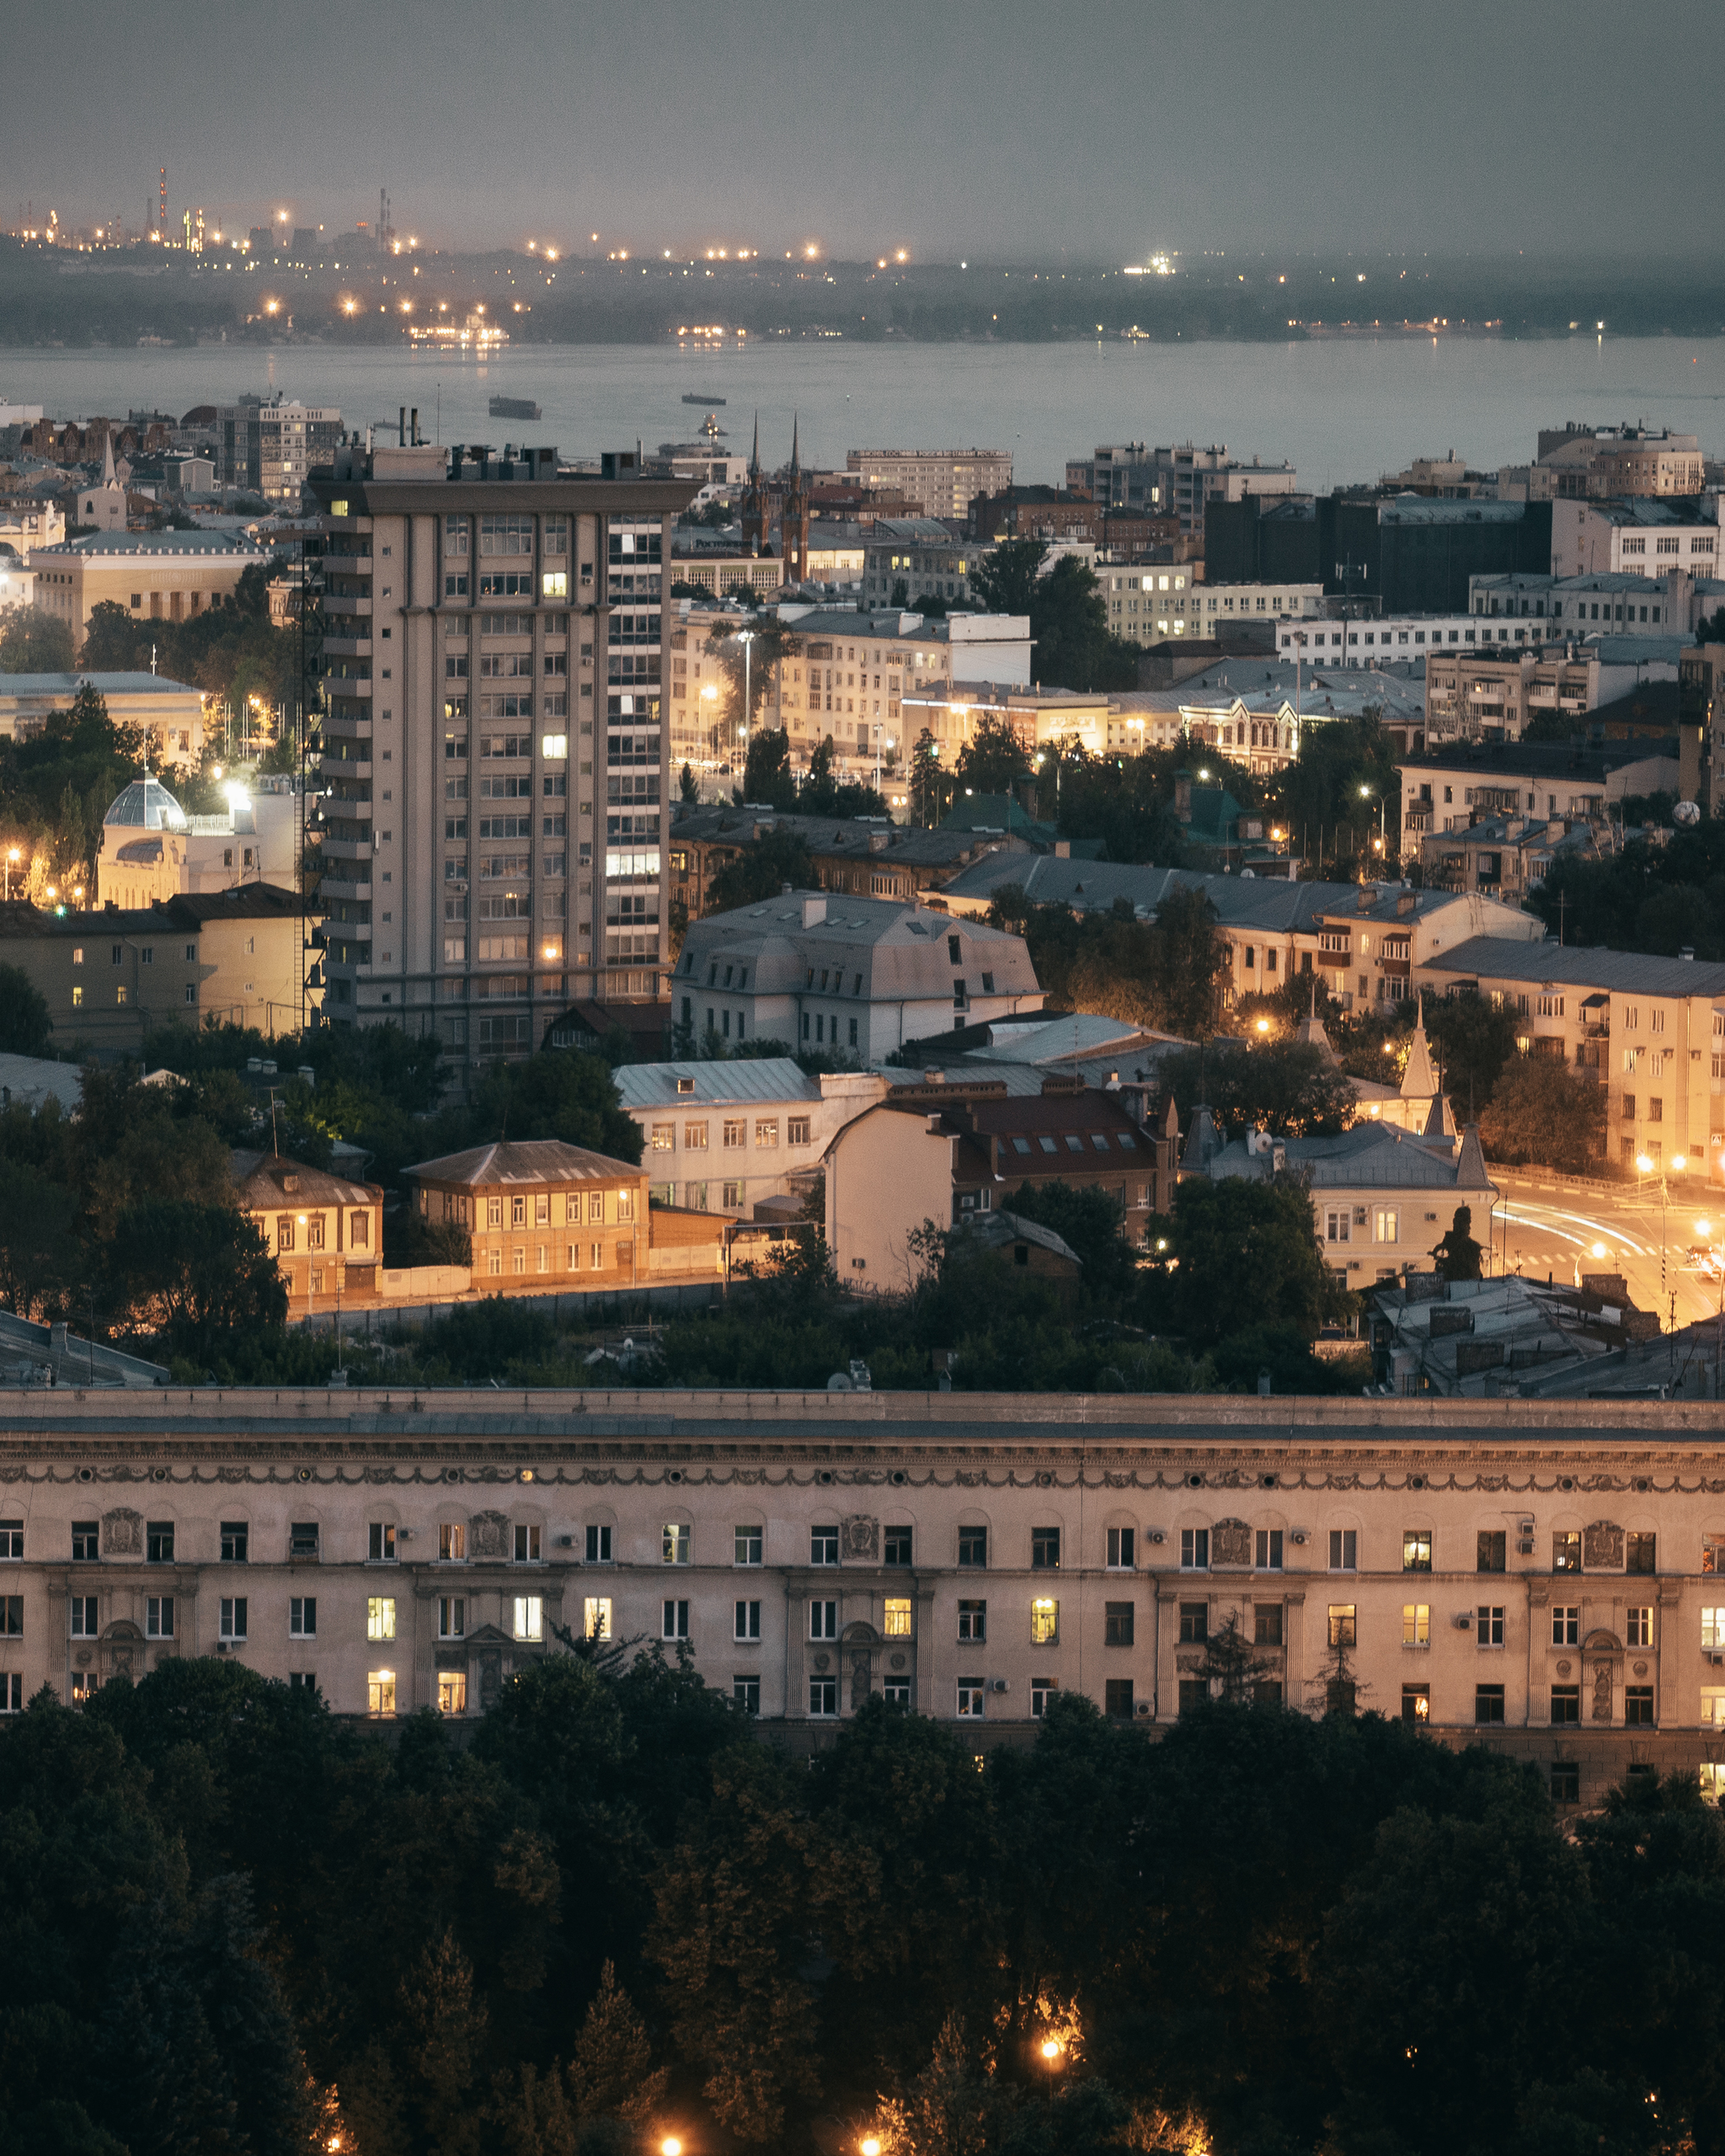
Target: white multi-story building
{"x": 723, "y": 1137}
{"x": 945, "y": 481}
{"x": 271, "y": 445}
{"x": 495, "y": 825}
{"x": 1178, "y": 481}
{"x": 1647, "y": 536}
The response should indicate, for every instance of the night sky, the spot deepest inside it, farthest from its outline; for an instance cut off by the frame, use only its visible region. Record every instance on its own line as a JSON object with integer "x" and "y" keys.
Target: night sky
{"x": 1097, "y": 130}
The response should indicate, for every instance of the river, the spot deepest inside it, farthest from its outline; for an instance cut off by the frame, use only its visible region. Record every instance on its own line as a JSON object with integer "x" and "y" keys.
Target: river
{"x": 1339, "y": 410}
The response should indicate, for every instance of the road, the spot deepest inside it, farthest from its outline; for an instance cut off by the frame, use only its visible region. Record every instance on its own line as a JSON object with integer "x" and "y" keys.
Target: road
{"x": 1539, "y": 1227}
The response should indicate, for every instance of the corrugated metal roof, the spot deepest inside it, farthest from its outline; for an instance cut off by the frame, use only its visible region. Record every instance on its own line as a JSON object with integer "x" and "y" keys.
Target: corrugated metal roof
{"x": 1495, "y": 957}
{"x": 714, "y": 1085}
{"x": 526, "y": 1161}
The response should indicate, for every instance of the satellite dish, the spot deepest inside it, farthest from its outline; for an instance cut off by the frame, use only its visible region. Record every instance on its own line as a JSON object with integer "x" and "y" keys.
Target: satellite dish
{"x": 1687, "y": 812}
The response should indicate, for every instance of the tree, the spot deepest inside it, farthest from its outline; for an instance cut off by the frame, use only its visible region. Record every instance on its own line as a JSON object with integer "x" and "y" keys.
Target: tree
{"x": 112, "y": 637}
{"x": 1290, "y": 1088}
{"x": 194, "y": 1276}
{"x": 557, "y": 1093}
{"x": 1541, "y": 1111}
{"x": 901, "y": 593}
{"x": 1167, "y": 973}
{"x": 24, "y": 1023}
{"x": 931, "y": 784}
{"x": 611, "y": 2074}
{"x": 766, "y": 769}
{"x": 761, "y": 870}
{"x": 38, "y": 1249}
{"x": 33, "y": 641}
{"x": 993, "y": 760}
{"x": 1472, "y": 1039}
{"x": 1005, "y": 580}
{"x": 687, "y": 791}
{"x": 1069, "y": 623}
{"x": 769, "y": 640}
{"x": 1244, "y": 1246}
{"x": 1458, "y": 1255}
{"x": 1090, "y": 1219}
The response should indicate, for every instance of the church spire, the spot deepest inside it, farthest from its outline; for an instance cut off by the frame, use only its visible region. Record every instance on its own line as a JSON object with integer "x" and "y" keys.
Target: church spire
{"x": 796, "y": 467}
{"x": 755, "y": 453}
{"x": 108, "y": 477}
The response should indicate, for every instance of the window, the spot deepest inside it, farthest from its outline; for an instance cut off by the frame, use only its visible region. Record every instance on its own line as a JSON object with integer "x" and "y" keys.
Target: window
{"x": 1122, "y": 1548}
{"x": 1488, "y": 1703}
{"x": 236, "y": 1537}
{"x": 823, "y": 1620}
{"x": 1491, "y": 1550}
{"x": 1386, "y": 1225}
{"x": 1344, "y": 1548}
{"x": 1566, "y": 1782}
{"x": 526, "y": 1545}
{"x": 382, "y": 1542}
{"x": 823, "y": 1695}
{"x": 1566, "y": 1550}
{"x": 1267, "y": 1624}
{"x": 748, "y": 1545}
{"x": 598, "y": 1546}
{"x": 898, "y": 1541}
{"x": 595, "y": 1617}
{"x": 451, "y": 1617}
{"x": 1416, "y": 1703}
{"x": 84, "y": 1542}
{"x": 1566, "y": 1704}
{"x": 747, "y": 1622}
{"x": 675, "y": 1625}
{"x": 1194, "y": 1548}
{"x": 1565, "y": 1624}
{"x": 746, "y": 1692}
{"x": 1416, "y": 1624}
{"x": 973, "y": 1621}
{"x": 1488, "y": 1623}
{"x": 1194, "y": 1623}
{"x": 1045, "y": 1549}
{"x": 1638, "y": 1705}
{"x": 1640, "y": 1553}
{"x": 530, "y": 1617}
{"x": 674, "y": 1543}
{"x": 1416, "y": 1550}
{"x": 1638, "y": 1626}
{"x": 302, "y": 1539}
{"x": 970, "y": 1699}
{"x": 452, "y": 1543}
{"x": 379, "y": 1617}
{"x": 452, "y": 1691}
{"x": 1344, "y": 1625}
{"x": 1045, "y": 1622}
{"x": 973, "y": 1547}
{"x": 302, "y": 1617}
{"x": 1042, "y": 1690}
{"x": 1268, "y": 1552}
{"x": 379, "y": 1691}
{"x": 158, "y": 1617}
{"x": 823, "y": 1545}
{"x": 1117, "y": 1623}
{"x": 1194, "y": 1693}
{"x": 1117, "y": 1698}
{"x": 85, "y": 1621}
{"x": 159, "y": 1542}
{"x": 232, "y": 1625}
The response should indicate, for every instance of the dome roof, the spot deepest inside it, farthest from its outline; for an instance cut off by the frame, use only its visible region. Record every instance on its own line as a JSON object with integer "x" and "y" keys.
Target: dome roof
{"x": 146, "y": 805}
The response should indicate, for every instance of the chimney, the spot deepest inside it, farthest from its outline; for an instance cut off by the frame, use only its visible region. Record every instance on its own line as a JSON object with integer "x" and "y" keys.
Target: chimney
{"x": 1687, "y": 952}
{"x": 813, "y": 912}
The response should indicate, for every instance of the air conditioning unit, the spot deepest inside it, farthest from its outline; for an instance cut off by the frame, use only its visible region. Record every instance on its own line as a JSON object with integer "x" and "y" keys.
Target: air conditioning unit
{"x": 1523, "y": 1549}
{"x": 1143, "y": 1708}
{"x": 1716, "y": 1658}
{"x": 565, "y": 1541}
{"x": 999, "y": 1684}
{"x": 1298, "y": 1538}
{"x": 1463, "y": 1621}
{"x": 1156, "y": 1534}
{"x": 403, "y": 1535}
{"x": 222, "y": 1646}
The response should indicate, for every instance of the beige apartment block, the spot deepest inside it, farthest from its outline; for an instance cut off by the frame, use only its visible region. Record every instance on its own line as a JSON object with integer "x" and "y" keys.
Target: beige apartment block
{"x": 156, "y": 576}
{"x": 109, "y": 974}
{"x": 945, "y": 481}
{"x": 1540, "y": 1574}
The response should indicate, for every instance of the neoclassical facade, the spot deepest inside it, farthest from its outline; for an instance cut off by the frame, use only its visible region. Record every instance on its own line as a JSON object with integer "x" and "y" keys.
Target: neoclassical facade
{"x": 1545, "y": 1577}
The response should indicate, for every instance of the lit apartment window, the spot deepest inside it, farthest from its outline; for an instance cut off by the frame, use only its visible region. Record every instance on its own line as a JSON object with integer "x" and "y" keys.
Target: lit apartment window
{"x": 452, "y": 1692}
{"x": 674, "y": 1544}
{"x": 529, "y": 1617}
{"x": 1044, "y": 1620}
{"x": 379, "y": 1691}
{"x": 379, "y": 1617}
{"x": 595, "y": 1617}
{"x": 452, "y": 1543}
{"x": 896, "y": 1618}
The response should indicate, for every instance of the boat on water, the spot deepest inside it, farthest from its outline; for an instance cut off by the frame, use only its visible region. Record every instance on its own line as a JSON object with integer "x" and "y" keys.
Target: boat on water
{"x": 515, "y": 408}
{"x": 691, "y": 398}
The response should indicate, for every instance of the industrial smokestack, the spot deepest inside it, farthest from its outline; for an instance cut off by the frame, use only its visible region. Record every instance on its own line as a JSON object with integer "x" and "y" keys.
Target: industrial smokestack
{"x": 414, "y": 428}
{"x": 401, "y": 427}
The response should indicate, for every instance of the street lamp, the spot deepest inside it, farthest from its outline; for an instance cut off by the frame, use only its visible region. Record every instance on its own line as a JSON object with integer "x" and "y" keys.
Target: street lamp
{"x": 746, "y": 637}
{"x": 13, "y": 855}
{"x": 1366, "y": 792}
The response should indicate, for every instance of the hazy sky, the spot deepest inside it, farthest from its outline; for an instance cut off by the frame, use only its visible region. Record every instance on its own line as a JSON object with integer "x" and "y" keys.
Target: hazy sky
{"x": 1100, "y": 128}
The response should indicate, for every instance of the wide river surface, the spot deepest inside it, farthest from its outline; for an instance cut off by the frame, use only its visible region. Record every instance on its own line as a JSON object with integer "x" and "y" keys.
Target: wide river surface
{"x": 1339, "y": 410}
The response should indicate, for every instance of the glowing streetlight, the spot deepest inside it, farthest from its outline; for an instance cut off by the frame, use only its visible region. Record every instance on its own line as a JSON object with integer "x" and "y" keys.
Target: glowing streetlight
{"x": 1264, "y": 1025}
{"x": 13, "y": 858}
{"x": 870, "y": 2144}
{"x": 1050, "y": 2049}
{"x": 1599, "y": 1249}
{"x": 671, "y": 2145}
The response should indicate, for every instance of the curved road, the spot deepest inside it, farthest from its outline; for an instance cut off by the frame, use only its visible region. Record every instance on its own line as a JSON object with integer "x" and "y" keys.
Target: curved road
{"x": 1541, "y": 1227}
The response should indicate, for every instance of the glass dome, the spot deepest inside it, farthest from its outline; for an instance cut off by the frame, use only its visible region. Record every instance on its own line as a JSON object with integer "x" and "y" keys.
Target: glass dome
{"x": 146, "y": 805}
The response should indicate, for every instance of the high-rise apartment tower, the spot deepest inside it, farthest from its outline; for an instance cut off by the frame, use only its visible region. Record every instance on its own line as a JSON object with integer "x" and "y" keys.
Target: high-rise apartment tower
{"x": 496, "y": 766}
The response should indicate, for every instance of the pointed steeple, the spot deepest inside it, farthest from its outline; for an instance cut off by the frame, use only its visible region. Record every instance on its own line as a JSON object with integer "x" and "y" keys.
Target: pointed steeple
{"x": 109, "y": 479}
{"x": 1420, "y": 1080}
{"x": 796, "y": 468}
{"x": 755, "y": 453}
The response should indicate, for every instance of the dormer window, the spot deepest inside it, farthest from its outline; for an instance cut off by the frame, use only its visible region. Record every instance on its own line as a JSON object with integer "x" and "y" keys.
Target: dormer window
{"x": 686, "y": 1085}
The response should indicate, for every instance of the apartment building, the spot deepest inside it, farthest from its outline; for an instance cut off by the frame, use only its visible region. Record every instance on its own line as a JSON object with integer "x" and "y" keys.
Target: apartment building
{"x": 921, "y": 554}
{"x": 1504, "y": 857}
{"x": 860, "y": 975}
{"x": 326, "y": 1231}
{"x": 1651, "y": 1030}
{"x": 1449, "y": 789}
{"x": 947, "y": 1552}
{"x": 1180, "y": 480}
{"x": 846, "y": 674}
{"x": 1701, "y": 713}
{"x": 945, "y": 481}
{"x": 1643, "y": 537}
{"x": 488, "y": 861}
{"x": 1607, "y": 602}
{"x": 729, "y": 1137}
{"x": 865, "y": 854}
{"x": 1490, "y": 696}
{"x": 1598, "y": 463}
{"x": 270, "y": 445}
{"x": 109, "y": 974}
{"x": 155, "y": 576}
